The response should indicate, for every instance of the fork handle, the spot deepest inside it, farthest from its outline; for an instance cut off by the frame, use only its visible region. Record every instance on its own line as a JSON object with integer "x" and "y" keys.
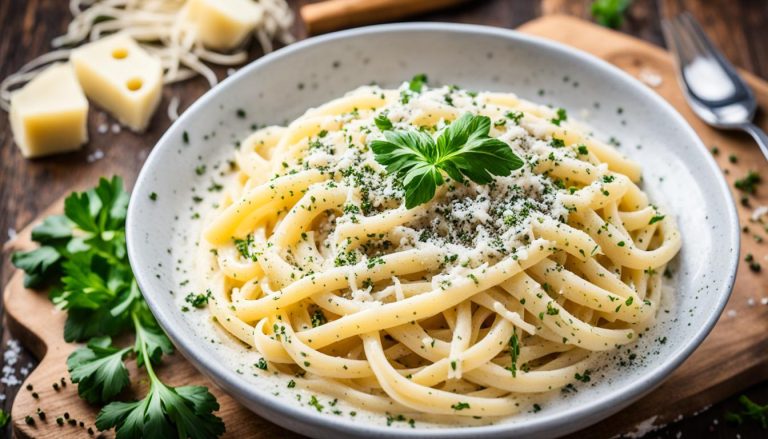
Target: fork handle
{"x": 760, "y": 137}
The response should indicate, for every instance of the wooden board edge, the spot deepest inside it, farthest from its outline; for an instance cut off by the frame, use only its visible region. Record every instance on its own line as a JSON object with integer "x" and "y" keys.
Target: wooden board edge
{"x": 538, "y": 26}
{"x": 21, "y": 324}
{"x": 35, "y": 334}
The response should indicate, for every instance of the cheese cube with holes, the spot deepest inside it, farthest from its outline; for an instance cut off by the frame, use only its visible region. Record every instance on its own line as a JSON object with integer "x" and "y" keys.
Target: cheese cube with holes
{"x": 223, "y": 24}
{"x": 49, "y": 115}
{"x": 121, "y": 77}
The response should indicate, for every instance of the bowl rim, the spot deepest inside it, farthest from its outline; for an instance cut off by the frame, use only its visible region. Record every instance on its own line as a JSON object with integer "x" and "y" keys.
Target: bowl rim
{"x": 569, "y": 420}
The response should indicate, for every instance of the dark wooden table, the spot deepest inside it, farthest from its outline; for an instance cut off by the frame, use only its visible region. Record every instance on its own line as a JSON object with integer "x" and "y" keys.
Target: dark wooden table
{"x": 26, "y": 187}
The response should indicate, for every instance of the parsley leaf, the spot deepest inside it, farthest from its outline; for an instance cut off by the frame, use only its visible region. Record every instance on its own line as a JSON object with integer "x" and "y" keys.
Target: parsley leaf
{"x": 4, "y": 418}
{"x": 417, "y": 83}
{"x": 561, "y": 117}
{"x": 752, "y": 411}
{"x": 83, "y": 259}
{"x": 82, "y": 324}
{"x": 516, "y": 116}
{"x": 52, "y": 229}
{"x": 199, "y": 300}
{"x": 98, "y": 370}
{"x": 514, "y": 352}
{"x": 460, "y": 406}
{"x": 382, "y": 122}
{"x": 156, "y": 344}
{"x": 749, "y": 183}
{"x": 184, "y": 412}
{"x": 38, "y": 265}
{"x": 245, "y": 247}
{"x": 610, "y": 13}
{"x": 318, "y": 318}
{"x": 463, "y": 149}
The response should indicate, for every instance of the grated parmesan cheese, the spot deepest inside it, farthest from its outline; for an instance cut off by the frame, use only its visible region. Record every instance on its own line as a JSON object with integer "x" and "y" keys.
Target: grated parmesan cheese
{"x": 479, "y": 222}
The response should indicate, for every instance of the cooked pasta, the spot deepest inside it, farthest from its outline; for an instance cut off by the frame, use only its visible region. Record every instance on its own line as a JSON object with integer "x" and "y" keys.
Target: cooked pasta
{"x": 457, "y": 306}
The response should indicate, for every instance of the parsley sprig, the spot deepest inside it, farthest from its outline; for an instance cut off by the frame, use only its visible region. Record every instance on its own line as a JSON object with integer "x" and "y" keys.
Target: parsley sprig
{"x": 82, "y": 257}
{"x": 610, "y": 13}
{"x": 183, "y": 412}
{"x": 462, "y": 149}
{"x": 751, "y": 411}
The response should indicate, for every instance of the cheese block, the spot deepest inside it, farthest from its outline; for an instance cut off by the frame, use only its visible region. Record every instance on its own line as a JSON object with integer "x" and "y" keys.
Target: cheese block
{"x": 121, "y": 77}
{"x": 49, "y": 115}
{"x": 223, "y": 24}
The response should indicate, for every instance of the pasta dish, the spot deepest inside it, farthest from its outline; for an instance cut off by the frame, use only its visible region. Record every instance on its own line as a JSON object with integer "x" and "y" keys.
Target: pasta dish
{"x": 433, "y": 250}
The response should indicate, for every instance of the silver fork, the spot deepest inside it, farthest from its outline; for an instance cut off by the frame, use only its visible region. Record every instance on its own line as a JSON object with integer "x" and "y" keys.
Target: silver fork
{"x": 713, "y": 88}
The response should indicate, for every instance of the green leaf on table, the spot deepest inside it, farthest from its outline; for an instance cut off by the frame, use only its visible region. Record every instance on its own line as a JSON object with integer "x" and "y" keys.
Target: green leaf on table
{"x": 82, "y": 324}
{"x": 157, "y": 344}
{"x": 52, "y": 229}
{"x": 81, "y": 208}
{"x": 83, "y": 258}
{"x": 98, "y": 370}
{"x": 752, "y": 411}
{"x": 183, "y": 412}
{"x": 39, "y": 265}
{"x": 165, "y": 412}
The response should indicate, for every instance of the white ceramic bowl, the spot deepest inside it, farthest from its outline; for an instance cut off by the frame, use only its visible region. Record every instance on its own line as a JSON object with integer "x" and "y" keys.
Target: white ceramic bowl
{"x": 678, "y": 173}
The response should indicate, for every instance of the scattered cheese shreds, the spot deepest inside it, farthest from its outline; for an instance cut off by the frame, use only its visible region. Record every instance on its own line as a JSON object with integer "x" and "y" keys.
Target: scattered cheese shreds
{"x": 173, "y": 108}
{"x": 162, "y": 29}
{"x": 758, "y": 213}
{"x": 650, "y": 77}
{"x": 95, "y": 156}
{"x": 644, "y": 427}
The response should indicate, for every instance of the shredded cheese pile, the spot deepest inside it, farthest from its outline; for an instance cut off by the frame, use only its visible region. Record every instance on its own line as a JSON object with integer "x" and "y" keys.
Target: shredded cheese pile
{"x": 158, "y": 27}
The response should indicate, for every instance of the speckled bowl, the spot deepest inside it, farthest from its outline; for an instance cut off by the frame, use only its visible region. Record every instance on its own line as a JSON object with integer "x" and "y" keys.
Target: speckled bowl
{"x": 678, "y": 173}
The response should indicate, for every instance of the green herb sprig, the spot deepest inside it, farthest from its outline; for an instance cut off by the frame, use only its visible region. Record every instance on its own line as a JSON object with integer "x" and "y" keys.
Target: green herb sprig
{"x": 462, "y": 149}
{"x": 749, "y": 183}
{"x": 82, "y": 257}
{"x": 610, "y": 13}
{"x": 752, "y": 411}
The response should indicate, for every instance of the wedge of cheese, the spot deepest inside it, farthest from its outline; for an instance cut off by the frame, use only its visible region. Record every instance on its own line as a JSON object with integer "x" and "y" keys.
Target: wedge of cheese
{"x": 49, "y": 115}
{"x": 121, "y": 77}
{"x": 223, "y": 24}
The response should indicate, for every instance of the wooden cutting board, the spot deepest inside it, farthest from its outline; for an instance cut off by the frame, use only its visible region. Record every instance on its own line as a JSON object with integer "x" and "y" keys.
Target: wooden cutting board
{"x": 733, "y": 357}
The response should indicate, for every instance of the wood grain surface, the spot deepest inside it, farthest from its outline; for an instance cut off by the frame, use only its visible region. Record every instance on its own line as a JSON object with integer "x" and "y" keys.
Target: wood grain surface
{"x": 27, "y": 187}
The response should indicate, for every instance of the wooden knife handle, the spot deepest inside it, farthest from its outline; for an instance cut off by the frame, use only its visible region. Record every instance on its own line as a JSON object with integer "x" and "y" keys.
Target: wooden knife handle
{"x": 333, "y": 15}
